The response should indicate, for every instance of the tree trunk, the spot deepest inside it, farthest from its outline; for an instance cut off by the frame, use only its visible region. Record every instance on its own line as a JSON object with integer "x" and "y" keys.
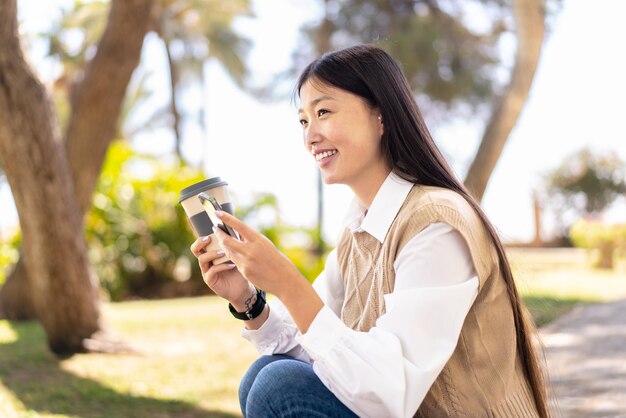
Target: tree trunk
{"x": 605, "y": 256}
{"x": 173, "y": 102}
{"x": 97, "y": 101}
{"x": 33, "y": 156}
{"x": 95, "y": 106}
{"x": 530, "y": 27}
{"x": 15, "y": 300}
{"x": 537, "y": 210}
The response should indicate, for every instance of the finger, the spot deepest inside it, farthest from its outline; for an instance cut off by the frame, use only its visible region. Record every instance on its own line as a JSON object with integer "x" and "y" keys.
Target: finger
{"x": 236, "y": 224}
{"x": 222, "y": 267}
{"x": 227, "y": 242}
{"x": 206, "y": 260}
{"x": 213, "y": 271}
{"x": 199, "y": 245}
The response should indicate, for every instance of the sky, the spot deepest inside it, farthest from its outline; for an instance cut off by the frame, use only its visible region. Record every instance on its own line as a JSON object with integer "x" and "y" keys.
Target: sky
{"x": 577, "y": 100}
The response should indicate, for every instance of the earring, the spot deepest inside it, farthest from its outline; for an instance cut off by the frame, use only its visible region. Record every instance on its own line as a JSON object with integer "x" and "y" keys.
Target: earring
{"x": 380, "y": 118}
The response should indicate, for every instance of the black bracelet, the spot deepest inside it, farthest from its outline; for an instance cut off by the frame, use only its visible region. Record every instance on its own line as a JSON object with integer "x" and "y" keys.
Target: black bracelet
{"x": 254, "y": 311}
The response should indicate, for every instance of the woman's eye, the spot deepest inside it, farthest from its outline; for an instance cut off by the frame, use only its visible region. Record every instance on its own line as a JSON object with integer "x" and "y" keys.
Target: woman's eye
{"x": 303, "y": 122}
{"x": 321, "y": 112}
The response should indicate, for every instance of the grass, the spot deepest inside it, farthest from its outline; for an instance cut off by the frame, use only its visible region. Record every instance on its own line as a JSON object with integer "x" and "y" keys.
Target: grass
{"x": 192, "y": 355}
{"x": 552, "y": 282}
{"x": 191, "y": 361}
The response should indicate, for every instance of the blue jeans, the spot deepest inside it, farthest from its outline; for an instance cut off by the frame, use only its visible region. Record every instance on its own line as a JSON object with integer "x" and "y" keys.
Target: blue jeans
{"x": 281, "y": 386}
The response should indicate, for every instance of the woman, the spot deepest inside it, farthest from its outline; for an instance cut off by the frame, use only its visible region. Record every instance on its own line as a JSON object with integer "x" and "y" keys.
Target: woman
{"x": 416, "y": 312}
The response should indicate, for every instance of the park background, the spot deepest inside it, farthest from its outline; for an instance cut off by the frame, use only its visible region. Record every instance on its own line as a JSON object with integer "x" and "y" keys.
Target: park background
{"x": 186, "y": 366}
{"x": 576, "y": 101}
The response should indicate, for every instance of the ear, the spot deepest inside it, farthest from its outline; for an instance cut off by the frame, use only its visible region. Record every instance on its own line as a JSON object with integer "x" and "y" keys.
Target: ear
{"x": 379, "y": 119}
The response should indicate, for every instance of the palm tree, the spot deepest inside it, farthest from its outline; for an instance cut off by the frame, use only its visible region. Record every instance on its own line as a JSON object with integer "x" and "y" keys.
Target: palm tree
{"x": 194, "y": 31}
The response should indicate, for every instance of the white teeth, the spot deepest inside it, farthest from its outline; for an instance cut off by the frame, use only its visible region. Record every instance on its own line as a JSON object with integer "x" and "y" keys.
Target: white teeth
{"x": 325, "y": 154}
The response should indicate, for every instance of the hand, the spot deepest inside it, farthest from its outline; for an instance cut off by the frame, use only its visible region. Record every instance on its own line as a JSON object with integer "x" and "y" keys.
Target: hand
{"x": 224, "y": 279}
{"x": 257, "y": 258}
{"x": 263, "y": 265}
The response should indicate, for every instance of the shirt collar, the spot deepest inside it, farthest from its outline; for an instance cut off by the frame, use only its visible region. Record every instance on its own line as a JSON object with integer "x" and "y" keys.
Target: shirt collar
{"x": 377, "y": 220}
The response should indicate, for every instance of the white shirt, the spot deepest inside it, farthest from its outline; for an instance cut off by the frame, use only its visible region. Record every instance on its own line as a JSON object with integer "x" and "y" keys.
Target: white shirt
{"x": 387, "y": 371}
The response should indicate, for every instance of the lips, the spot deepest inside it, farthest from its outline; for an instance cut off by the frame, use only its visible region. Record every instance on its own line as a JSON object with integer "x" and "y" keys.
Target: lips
{"x": 324, "y": 162}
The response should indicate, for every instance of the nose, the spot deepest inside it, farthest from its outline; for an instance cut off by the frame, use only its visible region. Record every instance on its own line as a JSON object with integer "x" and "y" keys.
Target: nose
{"x": 311, "y": 136}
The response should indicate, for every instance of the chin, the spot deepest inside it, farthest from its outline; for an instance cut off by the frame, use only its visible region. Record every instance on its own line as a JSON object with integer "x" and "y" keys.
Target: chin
{"x": 329, "y": 179}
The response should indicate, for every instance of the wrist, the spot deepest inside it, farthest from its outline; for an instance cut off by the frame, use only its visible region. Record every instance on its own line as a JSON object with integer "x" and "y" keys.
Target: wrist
{"x": 245, "y": 301}
{"x": 254, "y": 309}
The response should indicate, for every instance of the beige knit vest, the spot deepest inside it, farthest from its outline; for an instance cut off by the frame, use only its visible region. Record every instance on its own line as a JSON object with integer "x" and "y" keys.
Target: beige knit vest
{"x": 484, "y": 376}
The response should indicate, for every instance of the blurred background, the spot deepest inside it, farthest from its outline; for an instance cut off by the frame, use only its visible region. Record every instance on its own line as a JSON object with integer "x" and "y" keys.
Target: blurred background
{"x": 128, "y": 102}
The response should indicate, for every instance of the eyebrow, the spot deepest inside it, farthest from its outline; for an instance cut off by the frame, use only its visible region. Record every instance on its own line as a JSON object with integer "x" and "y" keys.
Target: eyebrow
{"x": 316, "y": 101}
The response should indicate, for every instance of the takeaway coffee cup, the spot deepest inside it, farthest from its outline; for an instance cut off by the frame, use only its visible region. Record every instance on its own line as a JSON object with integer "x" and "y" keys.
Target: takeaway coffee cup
{"x": 199, "y": 219}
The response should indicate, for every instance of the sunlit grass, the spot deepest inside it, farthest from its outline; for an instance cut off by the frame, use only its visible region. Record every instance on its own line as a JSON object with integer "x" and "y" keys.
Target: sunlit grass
{"x": 552, "y": 282}
{"x": 191, "y": 358}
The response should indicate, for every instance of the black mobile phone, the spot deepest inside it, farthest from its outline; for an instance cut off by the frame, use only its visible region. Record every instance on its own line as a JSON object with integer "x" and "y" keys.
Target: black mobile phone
{"x": 210, "y": 205}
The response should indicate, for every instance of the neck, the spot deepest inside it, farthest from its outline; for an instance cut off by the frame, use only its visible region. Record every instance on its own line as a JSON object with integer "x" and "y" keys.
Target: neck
{"x": 366, "y": 187}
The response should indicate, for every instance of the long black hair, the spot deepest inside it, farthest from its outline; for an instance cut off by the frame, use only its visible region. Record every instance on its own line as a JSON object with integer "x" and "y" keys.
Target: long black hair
{"x": 369, "y": 72}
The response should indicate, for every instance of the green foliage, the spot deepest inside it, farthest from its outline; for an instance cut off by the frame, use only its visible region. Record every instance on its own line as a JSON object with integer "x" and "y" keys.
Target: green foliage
{"x": 9, "y": 255}
{"x": 451, "y": 51}
{"x": 73, "y": 38}
{"x": 307, "y": 261}
{"x": 138, "y": 235}
{"x": 445, "y": 59}
{"x": 190, "y": 26}
{"x": 196, "y": 30}
{"x": 606, "y": 241}
{"x": 295, "y": 242}
{"x": 583, "y": 186}
{"x": 587, "y": 182}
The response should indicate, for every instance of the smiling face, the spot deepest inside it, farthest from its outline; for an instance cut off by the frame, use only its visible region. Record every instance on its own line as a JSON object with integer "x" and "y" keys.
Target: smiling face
{"x": 343, "y": 133}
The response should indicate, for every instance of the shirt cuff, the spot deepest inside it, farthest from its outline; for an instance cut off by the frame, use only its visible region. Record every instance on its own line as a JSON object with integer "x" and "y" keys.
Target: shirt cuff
{"x": 323, "y": 333}
{"x": 264, "y": 338}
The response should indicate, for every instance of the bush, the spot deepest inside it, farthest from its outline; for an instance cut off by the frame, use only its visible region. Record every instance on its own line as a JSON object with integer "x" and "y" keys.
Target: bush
{"x": 138, "y": 235}
{"x": 605, "y": 240}
{"x": 585, "y": 184}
